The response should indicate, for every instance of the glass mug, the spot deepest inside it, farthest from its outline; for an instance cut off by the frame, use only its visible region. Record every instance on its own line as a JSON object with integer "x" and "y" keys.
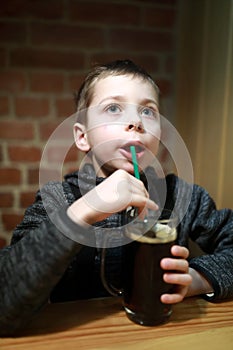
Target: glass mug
{"x": 143, "y": 282}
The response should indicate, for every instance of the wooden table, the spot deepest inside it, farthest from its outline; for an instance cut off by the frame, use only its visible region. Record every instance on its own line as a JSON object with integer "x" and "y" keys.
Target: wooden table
{"x": 102, "y": 324}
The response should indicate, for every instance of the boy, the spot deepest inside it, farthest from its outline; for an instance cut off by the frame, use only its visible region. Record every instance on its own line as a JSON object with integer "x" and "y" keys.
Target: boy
{"x": 120, "y": 101}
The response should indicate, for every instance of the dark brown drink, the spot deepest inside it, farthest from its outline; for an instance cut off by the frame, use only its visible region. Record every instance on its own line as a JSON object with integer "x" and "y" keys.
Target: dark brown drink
{"x": 143, "y": 277}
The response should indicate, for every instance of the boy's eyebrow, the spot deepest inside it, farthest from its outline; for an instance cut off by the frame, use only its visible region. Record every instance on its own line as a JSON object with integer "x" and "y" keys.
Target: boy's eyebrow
{"x": 122, "y": 99}
{"x": 115, "y": 97}
{"x": 149, "y": 100}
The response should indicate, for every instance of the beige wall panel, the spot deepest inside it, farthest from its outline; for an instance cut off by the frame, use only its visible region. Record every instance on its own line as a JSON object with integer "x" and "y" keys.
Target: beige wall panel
{"x": 204, "y": 93}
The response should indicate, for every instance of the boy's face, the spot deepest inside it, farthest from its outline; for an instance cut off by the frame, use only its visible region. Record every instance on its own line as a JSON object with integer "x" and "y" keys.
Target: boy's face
{"x": 123, "y": 112}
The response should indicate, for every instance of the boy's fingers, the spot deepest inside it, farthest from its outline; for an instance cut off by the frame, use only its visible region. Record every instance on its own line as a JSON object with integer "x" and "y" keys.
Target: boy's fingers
{"x": 177, "y": 278}
{"x": 171, "y": 298}
{"x": 180, "y": 265}
{"x": 179, "y": 251}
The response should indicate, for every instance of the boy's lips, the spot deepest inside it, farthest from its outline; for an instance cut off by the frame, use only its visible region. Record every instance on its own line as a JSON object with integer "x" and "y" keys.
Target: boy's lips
{"x": 139, "y": 148}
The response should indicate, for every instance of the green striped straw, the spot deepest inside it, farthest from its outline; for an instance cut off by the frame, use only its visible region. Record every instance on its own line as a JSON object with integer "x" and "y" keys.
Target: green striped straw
{"x": 135, "y": 162}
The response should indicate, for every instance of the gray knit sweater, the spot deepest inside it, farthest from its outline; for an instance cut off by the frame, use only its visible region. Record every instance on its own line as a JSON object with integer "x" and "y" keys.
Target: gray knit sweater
{"x": 43, "y": 263}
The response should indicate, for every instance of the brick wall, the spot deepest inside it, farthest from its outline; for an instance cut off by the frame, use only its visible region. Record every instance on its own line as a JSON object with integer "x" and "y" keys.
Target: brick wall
{"x": 46, "y": 47}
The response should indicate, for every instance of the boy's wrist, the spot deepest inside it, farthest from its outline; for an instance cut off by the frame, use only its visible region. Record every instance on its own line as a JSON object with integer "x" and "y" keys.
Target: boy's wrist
{"x": 199, "y": 285}
{"x": 81, "y": 213}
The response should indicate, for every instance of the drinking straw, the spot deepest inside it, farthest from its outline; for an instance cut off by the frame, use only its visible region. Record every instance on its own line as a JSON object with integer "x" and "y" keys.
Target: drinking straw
{"x": 135, "y": 162}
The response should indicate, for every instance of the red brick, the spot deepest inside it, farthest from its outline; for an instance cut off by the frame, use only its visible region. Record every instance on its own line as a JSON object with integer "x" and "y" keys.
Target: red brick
{"x": 24, "y": 154}
{"x": 12, "y": 32}
{"x": 62, "y": 154}
{"x": 140, "y": 39}
{"x": 70, "y": 168}
{"x": 7, "y": 199}
{"x": 46, "y": 129}
{"x": 75, "y": 81}
{"x": 67, "y": 35}
{"x": 4, "y": 105}
{"x": 12, "y": 81}
{"x": 54, "y": 155}
{"x": 10, "y": 176}
{"x": 62, "y": 131}
{"x": 39, "y": 58}
{"x": 148, "y": 62}
{"x": 11, "y": 220}
{"x": 16, "y": 130}
{"x": 65, "y": 107}
{"x": 33, "y": 176}
{"x": 159, "y": 18}
{"x": 72, "y": 155}
{"x": 3, "y": 242}
{"x": 102, "y": 12}
{"x": 31, "y": 107}
{"x": 26, "y": 199}
{"x": 45, "y": 175}
{"x": 46, "y": 82}
{"x": 52, "y": 9}
{"x": 164, "y": 86}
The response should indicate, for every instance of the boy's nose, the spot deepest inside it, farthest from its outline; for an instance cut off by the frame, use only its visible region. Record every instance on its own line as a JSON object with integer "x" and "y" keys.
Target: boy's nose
{"x": 135, "y": 126}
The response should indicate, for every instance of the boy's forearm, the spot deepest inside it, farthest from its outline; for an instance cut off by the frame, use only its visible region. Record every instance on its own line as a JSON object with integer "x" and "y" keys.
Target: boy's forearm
{"x": 27, "y": 278}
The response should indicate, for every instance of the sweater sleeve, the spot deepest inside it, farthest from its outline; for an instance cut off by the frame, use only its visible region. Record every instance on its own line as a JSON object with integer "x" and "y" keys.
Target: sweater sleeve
{"x": 212, "y": 230}
{"x": 34, "y": 263}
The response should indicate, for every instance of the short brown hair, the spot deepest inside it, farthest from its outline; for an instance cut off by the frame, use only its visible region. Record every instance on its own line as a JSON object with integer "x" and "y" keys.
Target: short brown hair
{"x": 114, "y": 68}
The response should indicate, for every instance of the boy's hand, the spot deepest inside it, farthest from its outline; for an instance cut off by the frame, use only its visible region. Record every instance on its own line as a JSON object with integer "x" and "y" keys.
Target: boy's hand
{"x": 114, "y": 194}
{"x": 179, "y": 276}
{"x": 188, "y": 281}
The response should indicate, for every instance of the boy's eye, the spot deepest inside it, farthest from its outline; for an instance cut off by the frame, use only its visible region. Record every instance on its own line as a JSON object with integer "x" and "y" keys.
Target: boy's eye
{"x": 149, "y": 112}
{"x": 113, "y": 108}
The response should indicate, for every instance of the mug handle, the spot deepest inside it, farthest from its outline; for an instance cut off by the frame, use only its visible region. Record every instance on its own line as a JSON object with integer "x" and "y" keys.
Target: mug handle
{"x": 111, "y": 289}
{"x": 130, "y": 213}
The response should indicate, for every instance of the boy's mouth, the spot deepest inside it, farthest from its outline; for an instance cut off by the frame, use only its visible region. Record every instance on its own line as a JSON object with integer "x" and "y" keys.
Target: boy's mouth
{"x": 139, "y": 149}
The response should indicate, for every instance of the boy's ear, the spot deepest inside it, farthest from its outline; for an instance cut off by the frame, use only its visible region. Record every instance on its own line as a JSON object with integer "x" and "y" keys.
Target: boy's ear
{"x": 80, "y": 137}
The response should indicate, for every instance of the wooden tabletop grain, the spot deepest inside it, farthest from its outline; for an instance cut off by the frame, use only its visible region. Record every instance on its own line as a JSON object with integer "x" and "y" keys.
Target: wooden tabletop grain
{"x": 102, "y": 324}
